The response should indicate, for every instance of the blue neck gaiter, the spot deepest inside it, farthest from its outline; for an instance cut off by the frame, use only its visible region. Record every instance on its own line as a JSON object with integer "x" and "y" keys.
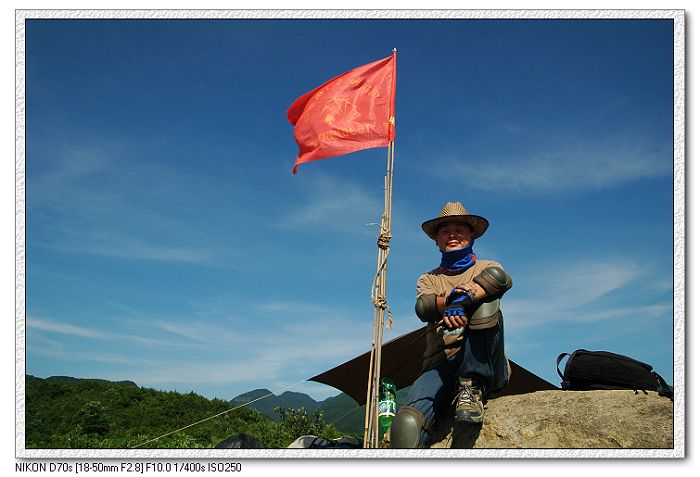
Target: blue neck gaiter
{"x": 457, "y": 261}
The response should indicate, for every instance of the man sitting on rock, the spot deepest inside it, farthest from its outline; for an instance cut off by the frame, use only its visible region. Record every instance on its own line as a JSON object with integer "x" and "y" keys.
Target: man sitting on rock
{"x": 465, "y": 359}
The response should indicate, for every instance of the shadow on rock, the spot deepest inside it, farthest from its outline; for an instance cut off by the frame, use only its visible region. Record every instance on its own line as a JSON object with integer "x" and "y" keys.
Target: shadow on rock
{"x": 453, "y": 435}
{"x": 241, "y": 441}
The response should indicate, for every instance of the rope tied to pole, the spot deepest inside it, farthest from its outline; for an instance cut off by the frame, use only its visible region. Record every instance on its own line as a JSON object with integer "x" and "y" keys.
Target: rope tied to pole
{"x": 379, "y": 300}
{"x": 383, "y": 240}
{"x": 376, "y": 297}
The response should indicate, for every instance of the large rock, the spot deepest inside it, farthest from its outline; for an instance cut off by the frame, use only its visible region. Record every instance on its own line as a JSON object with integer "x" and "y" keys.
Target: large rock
{"x": 566, "y": 419}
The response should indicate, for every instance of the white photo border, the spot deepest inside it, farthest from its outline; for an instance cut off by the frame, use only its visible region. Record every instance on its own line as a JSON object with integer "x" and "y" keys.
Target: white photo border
{"x": 678, "y": 450}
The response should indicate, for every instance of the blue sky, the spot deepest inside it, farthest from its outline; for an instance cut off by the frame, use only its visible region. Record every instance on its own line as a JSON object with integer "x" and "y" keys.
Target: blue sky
{"x": 168, "y": 243}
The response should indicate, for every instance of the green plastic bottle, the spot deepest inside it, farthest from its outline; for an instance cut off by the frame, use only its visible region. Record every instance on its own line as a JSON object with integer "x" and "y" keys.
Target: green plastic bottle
{"x": 387, "y": 404}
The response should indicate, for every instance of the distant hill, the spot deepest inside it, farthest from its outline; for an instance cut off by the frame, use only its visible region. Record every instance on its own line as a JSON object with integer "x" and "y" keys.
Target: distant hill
{"x": 297, "y": 400}
{"x": 268, "y": 401}
{"x": 342, "y": 411}
{"x": 72, "y": 380}
{"x": 68, "y": 412}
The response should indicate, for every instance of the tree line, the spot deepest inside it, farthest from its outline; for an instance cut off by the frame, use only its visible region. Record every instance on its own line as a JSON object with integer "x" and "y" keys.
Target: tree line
{"x": 88, "y": 414}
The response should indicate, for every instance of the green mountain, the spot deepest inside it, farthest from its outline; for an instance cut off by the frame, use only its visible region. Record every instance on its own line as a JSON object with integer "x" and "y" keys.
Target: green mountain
{"x": 345, "y": 414}
{"x": 298, "y": 400}
{"x": 265, "y": 401}
{"x": 63, "y": 412}
{"x": 71, "y": 380}
{"x": 341, "y": 411}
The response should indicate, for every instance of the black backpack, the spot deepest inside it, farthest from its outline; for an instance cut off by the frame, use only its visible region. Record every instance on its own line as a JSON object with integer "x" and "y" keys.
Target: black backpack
{"x": 589, "y": 370}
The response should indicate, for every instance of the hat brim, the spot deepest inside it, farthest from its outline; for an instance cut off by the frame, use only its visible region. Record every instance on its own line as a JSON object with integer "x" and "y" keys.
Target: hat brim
{"x": 477, "y": 224}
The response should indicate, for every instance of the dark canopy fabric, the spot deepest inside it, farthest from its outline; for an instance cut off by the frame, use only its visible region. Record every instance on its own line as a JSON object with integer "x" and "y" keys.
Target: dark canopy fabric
{"x": 402, "y": 358}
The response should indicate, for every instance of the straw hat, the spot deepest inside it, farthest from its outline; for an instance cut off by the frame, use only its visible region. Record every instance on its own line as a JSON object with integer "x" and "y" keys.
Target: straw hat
{"x": 455, "y": 212}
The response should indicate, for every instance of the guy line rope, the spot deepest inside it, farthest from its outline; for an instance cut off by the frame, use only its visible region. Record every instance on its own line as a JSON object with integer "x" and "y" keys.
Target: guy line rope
{"x": 216, "y": 415}
{"x": 233, "y": 409}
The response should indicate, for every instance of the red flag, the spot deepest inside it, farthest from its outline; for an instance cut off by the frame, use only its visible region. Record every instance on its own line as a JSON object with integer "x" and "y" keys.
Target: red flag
{"x": 352, "y": 111}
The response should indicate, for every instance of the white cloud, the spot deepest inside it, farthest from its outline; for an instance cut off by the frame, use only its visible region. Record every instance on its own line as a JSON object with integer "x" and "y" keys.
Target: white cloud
{"x": 582, "y": 293}
{"x": 104, "y": 202}
{"x": 84, "y": 332}
{"x": 117, "y": 245}
{"x": 265, "y": 352}
{"x": 562, "y": 165}
{"x": 295, "y": 306}
{"x": 584, "y": 283}
{"x": 271, "y": 360}
{"x": 334, "y": 203}
{"x": 647, "y": 313}
{"x": 226, "y": 372}
{"x": 203, "y": 332}
{"x": 62, "y": 328}
{"x": 73, "y": 355}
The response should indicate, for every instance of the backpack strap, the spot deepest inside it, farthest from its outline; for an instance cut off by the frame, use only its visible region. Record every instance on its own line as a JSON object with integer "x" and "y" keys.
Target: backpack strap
{"x": 561, "y": 356}
{"x": 564, "y": 382}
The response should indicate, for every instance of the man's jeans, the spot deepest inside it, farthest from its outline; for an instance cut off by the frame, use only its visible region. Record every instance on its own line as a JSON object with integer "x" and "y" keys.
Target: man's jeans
{"x": 482, "y": 357}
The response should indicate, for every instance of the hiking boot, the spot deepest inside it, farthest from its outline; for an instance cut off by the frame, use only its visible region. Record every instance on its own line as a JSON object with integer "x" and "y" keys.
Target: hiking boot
{"x": 469, "y": 407}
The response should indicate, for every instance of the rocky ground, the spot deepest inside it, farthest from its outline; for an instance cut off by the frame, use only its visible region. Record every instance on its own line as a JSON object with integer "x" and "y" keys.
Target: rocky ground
{"x": 566, "y": 419}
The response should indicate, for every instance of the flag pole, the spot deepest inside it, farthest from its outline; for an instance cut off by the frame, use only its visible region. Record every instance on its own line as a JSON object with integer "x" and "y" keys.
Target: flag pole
{"x": 371, "y": 435}
{"x": 317, "y": 139}
{"x": 378, "y": 293}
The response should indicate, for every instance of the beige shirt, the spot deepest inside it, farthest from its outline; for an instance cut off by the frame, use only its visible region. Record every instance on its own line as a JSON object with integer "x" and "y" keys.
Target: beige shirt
{"x": 440, "y": 346}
